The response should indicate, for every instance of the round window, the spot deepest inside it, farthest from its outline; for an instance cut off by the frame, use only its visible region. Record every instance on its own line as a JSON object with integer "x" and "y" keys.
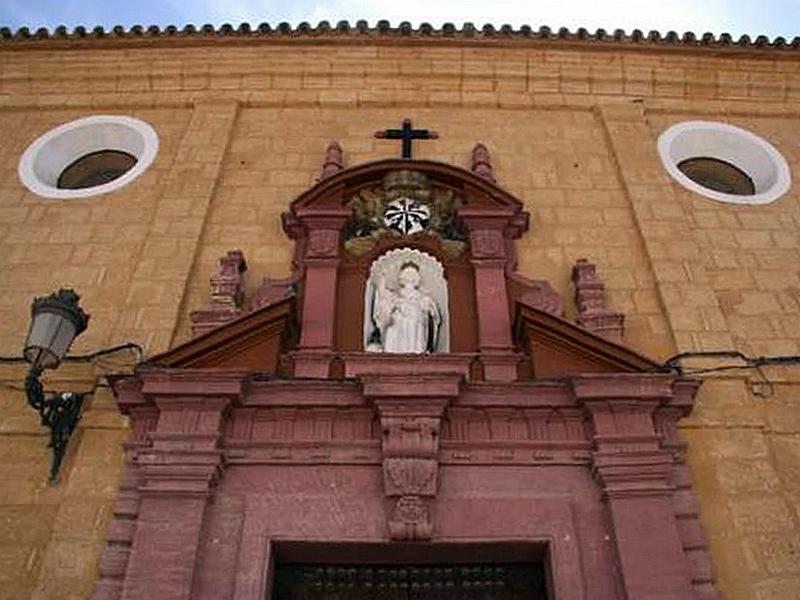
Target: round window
{"x": 724, "y": 162}
{"x": 89, "y": 156}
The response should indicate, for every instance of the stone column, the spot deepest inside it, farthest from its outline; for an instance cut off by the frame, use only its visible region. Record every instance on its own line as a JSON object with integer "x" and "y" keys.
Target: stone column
{"x": 489, "y": 261}
{"x": 321, "y": 263}
{"x": 635, "y": 474}
{"x": 178, "y": 473}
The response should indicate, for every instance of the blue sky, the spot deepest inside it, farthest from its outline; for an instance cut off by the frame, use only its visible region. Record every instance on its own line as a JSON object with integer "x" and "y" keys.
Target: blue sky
{"x": 769, "y": 17}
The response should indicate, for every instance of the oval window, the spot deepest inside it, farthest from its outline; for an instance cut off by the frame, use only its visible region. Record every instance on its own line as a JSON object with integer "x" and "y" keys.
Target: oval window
{"x": 89, "y": 156}
{"x": 724, "y": 162}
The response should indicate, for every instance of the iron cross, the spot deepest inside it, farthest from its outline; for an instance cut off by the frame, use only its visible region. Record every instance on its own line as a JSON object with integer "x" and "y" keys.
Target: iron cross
{"x": 407, "y": 133}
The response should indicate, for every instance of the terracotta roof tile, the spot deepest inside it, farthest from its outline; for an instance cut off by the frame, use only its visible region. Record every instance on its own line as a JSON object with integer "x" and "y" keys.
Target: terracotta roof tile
{"x": 383, "y": 29}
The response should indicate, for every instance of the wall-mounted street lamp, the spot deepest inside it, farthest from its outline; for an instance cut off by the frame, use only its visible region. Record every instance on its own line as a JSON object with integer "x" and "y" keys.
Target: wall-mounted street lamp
{"x": 56, "y": 320}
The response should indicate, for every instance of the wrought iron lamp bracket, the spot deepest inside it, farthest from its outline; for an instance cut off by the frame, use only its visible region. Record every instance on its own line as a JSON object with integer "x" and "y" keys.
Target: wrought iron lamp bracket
{"x": 59, "y": 412}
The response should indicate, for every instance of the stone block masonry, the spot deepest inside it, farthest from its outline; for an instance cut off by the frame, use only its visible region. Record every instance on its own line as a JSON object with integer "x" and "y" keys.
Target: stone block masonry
{"x": 243, "y": 128}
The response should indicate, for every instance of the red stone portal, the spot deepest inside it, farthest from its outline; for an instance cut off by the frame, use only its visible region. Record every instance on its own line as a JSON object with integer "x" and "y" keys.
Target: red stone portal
{"x": 274, "y": 442}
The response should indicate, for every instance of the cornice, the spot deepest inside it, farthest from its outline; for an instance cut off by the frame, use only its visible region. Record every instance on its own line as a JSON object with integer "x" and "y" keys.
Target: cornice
{"x": 344, "y": 32}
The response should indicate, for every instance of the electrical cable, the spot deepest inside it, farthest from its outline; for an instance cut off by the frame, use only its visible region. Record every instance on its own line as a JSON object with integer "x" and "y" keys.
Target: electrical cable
{"x": 84, "y": 358}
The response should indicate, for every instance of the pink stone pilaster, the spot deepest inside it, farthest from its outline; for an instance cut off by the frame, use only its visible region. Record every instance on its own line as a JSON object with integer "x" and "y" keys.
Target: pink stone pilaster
{"x": 319, "y": 290}
{"x": 636, "y": 475}
{"x": 178, "y": 472}
{"x": 489, "y": 261}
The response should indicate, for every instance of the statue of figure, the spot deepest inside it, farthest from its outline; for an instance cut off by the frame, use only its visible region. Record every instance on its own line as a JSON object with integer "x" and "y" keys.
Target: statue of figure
{"x": 407, "y": 319}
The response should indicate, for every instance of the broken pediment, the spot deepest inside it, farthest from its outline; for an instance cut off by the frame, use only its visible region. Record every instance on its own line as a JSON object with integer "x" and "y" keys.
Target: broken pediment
{"x": 254, "y": 341}
{"x": 504, "y": 325}
{"x": 559, "y": 348}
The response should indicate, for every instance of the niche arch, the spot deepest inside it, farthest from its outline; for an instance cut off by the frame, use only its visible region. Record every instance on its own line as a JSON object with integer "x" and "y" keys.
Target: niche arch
{"x": 432, "y": 283}
{"x": 353, "y": 287}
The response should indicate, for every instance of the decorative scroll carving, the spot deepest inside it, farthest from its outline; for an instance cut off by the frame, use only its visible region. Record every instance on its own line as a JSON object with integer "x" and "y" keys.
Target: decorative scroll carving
{"x": 404, "y": 205}
{"x": 590, "y": 299}
{"x": 334, "y": 160}
{"x": 226, "y": 297}
{"x": 403, "y": 476}
{"x": 410, "y": 468}
{"x": 482, "y": 162}
{"x": 410, "y": 436}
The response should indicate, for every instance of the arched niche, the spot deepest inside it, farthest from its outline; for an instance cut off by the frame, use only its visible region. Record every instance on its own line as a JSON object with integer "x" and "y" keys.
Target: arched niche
{"x": 386, "y": 268}
{"x": 352, "y": 291}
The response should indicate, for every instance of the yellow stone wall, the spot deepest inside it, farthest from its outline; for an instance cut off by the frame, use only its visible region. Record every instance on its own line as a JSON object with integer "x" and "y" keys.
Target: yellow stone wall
{"x": 242, "y": 125}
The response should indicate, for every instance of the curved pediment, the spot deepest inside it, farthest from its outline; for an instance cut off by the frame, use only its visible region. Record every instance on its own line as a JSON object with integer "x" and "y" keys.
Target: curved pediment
{"x": 331, "y": 195}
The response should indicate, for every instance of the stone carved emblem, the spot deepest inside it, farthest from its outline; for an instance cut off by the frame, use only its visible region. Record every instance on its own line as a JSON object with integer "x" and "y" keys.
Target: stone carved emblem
{"x": 405, "y": 204}
{"x": 406, "y": 304}
{"x": 406, "y": 216}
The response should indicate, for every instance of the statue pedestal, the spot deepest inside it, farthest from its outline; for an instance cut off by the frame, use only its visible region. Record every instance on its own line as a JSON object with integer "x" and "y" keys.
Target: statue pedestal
{"x": 367, "y": 363}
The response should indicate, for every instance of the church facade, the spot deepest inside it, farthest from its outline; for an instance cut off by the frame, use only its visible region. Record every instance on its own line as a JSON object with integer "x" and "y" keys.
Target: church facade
{"x": 425, "y": 313}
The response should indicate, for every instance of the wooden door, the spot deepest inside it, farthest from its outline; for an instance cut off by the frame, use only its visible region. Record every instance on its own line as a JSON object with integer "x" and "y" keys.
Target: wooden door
{"x": 507, "y": 581}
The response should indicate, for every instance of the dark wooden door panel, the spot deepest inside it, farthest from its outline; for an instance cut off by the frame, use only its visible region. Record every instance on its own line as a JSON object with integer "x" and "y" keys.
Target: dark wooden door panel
{"x": 516, "y": 581}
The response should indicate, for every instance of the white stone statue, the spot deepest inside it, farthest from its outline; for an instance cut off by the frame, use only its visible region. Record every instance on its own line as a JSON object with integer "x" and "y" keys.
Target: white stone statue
{"x": 402, "y": 315}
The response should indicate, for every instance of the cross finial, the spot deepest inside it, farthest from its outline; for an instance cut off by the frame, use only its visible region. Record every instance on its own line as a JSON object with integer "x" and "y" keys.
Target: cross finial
{"x": 406, "y": 134}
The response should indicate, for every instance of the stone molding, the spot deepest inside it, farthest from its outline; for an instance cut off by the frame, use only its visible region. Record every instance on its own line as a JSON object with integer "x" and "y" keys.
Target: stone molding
{"x": 173, "y": 464}
{"x": 190, "y": 423}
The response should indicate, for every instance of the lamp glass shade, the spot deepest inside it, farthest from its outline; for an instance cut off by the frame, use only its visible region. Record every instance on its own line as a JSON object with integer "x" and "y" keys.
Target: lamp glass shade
{"x": 49, "y": 338}
{"x": 55, "y": 322}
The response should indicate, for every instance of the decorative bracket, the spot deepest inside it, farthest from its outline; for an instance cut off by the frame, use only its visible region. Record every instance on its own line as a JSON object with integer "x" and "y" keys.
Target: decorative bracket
{"x": 410, "y": 408}
{"x": 59, "y": 412}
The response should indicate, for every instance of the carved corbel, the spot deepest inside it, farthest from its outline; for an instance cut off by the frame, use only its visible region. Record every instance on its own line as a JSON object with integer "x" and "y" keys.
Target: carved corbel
{"x": 410, "y": 468}
{"x": 226, "y": 294}
{"x": 410, "y": 409}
